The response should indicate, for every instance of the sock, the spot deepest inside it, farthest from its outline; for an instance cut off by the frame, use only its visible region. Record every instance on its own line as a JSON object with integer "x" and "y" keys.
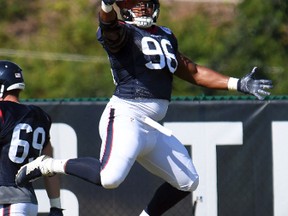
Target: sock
{"x": 58, "y": 166}
{"x": 164, "y": 198}
{"x": 86, "y": 168}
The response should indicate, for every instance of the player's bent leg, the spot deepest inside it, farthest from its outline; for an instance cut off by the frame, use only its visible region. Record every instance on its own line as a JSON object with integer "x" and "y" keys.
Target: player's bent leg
{"x": 168, "y": 195}
{"x": 86, "y": 168}
{"x": 110, "y": 181}
{"x": 171, "y": 162}
{"x": 119, "y": 147}
{"x": 115, "y": 172}
{"x": 165, "y": 197}
{"x": 179, "y": 172}
{"x": 191, "y": 184}
{"x": 41, "y": 166}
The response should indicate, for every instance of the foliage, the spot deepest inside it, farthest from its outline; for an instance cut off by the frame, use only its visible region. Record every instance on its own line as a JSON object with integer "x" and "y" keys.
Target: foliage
{"x": 258, "y": 38}
{"x": 257, "y": 35}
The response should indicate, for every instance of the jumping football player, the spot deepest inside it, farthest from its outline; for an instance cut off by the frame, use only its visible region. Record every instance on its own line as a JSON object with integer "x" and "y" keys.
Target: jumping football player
{"x": 144, "y": 57}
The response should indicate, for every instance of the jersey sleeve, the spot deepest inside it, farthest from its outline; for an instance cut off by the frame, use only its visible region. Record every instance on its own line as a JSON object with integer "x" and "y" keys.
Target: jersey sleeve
{"x": 112, "y": 35}
{"x": 173, "y": 38}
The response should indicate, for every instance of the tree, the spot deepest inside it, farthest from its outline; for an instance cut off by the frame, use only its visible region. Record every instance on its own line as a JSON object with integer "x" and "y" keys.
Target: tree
{"x": 259, "y": 38}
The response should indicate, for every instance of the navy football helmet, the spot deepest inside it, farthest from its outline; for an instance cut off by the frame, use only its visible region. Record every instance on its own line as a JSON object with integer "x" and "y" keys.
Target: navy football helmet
{"x": 10, "y": 77}
{"x": 126, "y": 12}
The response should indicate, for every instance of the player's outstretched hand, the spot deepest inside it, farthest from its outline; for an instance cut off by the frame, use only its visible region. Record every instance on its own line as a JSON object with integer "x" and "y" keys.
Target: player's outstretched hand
{"x": 55, "y": 212}
{"x": 249, "y": 85}
{"x": 109, "y": 2}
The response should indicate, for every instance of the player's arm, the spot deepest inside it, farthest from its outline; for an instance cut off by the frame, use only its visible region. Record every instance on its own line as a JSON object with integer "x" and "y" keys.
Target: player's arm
{"x": 113, "y": 33}
{"x": 199, "y": 75}
{"x": 206, "y": 77}
{"x": 107, "y": 13}
{"x": 52, "y": 185}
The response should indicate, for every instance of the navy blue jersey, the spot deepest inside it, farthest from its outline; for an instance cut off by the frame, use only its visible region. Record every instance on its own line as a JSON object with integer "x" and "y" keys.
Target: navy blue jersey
{"x": 142, "y": 60}
{"x": 24, "y": 132}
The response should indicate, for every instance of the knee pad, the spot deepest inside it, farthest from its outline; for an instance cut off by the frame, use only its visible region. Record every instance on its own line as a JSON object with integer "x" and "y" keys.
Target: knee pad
{"x": 110, "y": 181}
{"x": 190, "y": 186}
{"x": 194, "y": 185}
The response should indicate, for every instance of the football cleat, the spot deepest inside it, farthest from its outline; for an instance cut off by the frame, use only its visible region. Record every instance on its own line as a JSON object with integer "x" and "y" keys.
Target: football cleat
{"x": 41, "y": 166}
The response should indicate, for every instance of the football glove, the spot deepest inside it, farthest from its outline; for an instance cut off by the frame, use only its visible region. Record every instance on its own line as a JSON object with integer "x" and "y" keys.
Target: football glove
{"x": 249, "y": 85}
{"x": 109, "y": 2}
{"x": 55, "y": 212}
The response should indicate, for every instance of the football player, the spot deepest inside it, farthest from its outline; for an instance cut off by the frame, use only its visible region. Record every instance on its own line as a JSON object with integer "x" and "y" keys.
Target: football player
{"x": 24, "y": 135}
{"x": 144, "y": 58}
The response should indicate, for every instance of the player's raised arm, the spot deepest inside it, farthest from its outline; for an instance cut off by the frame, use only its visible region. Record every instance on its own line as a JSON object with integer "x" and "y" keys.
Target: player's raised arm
{"x": 111, "y": 32}
{"x": 107, "y": 12}
{"x": 206, "y": 77}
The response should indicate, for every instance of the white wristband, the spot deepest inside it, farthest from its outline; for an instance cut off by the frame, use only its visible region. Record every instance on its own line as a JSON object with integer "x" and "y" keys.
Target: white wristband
{"x": 232, "y": 83}
{"x": 55, "y": 203}
{"x": 106, "y": 8}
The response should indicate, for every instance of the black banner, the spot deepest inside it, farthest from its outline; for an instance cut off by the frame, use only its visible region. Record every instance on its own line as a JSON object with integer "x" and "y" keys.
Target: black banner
{"x": 238, "y": 148}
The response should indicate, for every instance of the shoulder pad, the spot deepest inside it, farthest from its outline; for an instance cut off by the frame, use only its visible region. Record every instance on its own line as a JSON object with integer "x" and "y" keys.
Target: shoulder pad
{"x": 165, "y": 29}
